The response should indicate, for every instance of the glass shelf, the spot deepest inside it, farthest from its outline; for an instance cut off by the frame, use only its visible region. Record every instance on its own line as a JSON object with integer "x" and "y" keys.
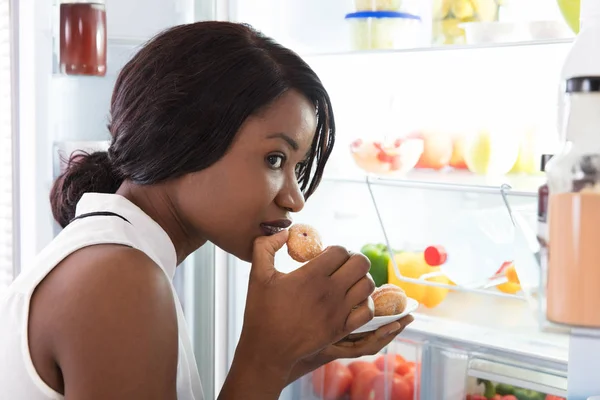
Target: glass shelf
{"x": 460, "y": 181}
{"x": 445, "y": 48}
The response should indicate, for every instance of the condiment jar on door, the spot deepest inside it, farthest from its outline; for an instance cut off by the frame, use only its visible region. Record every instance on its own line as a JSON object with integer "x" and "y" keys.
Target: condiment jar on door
{"x": 573, "y": 251}
{"x": 83, "y": 37}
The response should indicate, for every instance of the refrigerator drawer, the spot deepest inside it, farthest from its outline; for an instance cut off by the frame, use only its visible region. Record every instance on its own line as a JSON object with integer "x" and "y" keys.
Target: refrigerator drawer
{"x": 444, "y": 371}
{"x": 505, "y": 378}
{"x": 394, "y": 373}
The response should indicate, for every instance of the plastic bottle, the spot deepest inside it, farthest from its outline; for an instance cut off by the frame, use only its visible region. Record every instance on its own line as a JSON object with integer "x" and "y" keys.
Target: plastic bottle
{"x": 583, "y": 59}
{"x": 542, "y": 211}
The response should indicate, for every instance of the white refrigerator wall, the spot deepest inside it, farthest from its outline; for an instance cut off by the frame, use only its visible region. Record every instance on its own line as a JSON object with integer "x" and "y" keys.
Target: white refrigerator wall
{"x": 55, "y": 108}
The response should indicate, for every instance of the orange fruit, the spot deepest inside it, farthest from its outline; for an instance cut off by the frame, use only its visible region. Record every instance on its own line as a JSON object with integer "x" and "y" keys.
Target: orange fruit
{"x": 437, "y": 151}
{"x": 458, "y": 153}
{"x": 509, "y": 287}
{"x": 511, "y": 275}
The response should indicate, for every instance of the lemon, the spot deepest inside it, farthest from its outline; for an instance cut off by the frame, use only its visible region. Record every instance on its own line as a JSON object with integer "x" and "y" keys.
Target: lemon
{"x": 441, "y": 9}
{"x": 462, "y": 9}
{"x": 487, "y": 10}
{"x": 411, "y": 265}
{"x": 526, "y": 160}
{"x": 491, "y": 153}
{"x": 435, "y": 295}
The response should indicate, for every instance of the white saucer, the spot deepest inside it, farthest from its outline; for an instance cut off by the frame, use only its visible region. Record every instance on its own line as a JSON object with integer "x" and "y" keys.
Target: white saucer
{"x": 377, "y": 322}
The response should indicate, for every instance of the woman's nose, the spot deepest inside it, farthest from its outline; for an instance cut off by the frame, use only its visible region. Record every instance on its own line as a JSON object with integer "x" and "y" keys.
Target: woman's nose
{"x": 291, "y": 197}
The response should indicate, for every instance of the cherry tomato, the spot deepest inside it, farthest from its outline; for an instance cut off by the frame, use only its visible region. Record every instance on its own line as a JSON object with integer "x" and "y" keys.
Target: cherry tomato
{"x": 332, "y": 380}
{"x": 390, "y": 386}
{"x": 362, "y": 384}
{"x": 389, "y": 362}
{"x": 356, "y": 367}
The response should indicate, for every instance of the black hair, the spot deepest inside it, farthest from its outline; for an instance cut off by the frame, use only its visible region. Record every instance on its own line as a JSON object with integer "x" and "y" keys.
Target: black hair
{"x": 179, "y": 102}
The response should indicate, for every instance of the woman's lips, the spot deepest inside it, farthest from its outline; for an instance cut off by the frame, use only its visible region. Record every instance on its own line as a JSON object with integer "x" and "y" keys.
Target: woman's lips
{"x": 273, "y": 227}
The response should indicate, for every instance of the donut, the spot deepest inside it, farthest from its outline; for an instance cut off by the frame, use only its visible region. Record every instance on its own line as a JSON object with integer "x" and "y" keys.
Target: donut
{"x": 304, "y": 242}
{"x": 389, "y": 300}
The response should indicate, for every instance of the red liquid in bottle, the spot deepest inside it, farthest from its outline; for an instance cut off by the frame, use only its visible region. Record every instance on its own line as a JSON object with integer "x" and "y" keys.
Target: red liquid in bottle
{"x": 83, "y": 39}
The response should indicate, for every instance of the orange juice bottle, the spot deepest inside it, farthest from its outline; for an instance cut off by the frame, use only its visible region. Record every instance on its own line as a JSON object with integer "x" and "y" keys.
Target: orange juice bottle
{"x": 573, "y": 250}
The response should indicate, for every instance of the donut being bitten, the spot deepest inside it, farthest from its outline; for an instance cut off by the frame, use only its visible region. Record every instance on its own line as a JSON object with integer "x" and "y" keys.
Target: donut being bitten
{"x": 389, "y": 300}
{"x": 304, "y": 242}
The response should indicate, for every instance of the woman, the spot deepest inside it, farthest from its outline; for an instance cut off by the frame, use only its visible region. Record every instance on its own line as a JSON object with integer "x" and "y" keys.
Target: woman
{"x": 218, "y": 134}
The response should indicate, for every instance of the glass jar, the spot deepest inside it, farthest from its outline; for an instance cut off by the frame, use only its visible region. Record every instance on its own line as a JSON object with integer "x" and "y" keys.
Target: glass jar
{"x": 449, "y": 15}
{"x": 83, "y": 37}
{"x": 572, "y": 254}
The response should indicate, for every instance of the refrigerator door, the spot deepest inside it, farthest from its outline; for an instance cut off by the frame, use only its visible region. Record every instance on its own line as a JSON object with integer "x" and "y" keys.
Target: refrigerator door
{"x": 59, "y": 111}
{"x": 8, "y": 138}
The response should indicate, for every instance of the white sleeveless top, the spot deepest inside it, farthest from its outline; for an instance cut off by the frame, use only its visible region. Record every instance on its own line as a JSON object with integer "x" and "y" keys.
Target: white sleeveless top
{"x": 18, "y": 378}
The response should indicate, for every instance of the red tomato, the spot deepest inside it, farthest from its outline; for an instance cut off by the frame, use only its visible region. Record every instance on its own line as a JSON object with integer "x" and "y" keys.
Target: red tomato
{"x": 358, "y": 366}
{"x": 389, "y": 362}
{"x": 332, "y": 380}
{"x": 553, "y": 397}
{"x": 390, "y": 386}
{"x": 413, "y": 383}
{"x": 403, "y": 369}
{"x": 362, "y": 384}
{"x": 509, "y": 397}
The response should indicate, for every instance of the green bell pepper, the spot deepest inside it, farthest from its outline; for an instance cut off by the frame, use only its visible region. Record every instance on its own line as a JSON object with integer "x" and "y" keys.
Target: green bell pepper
{"x": 504, "y": 389}
{"x": 379, "y": 257}
{"x": 525, "y": 394}
{"x": 490, "y": 390}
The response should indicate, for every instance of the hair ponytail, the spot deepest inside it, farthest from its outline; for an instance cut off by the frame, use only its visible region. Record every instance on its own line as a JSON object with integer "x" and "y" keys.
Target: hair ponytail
{"x": 85, "y": 172}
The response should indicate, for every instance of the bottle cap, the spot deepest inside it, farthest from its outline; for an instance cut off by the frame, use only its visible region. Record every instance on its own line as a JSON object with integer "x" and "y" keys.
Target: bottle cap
{"x": 544, "y": 161}
{"x": 583, "y": 84}
{"x": 435, "y": 255}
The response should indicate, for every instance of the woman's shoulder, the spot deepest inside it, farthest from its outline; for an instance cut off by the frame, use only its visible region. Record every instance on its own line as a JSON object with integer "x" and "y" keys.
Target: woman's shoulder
{"x": 99, "y": 277}
{"x": 104, "y": 304}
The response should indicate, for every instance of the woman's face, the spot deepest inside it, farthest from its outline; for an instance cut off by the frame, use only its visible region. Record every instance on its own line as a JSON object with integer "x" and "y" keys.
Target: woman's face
{"x": 253, "y": 189}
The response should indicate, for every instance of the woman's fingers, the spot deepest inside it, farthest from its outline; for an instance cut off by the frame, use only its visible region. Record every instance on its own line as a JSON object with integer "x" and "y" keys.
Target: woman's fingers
{"x": 361, "y": 290}
{"x": 371, "y": 344}
{"x": 360, "y": 315}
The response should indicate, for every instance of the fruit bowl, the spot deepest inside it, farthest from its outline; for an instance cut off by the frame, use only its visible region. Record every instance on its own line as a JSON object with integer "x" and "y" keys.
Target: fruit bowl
{"x": 397, "y": 157}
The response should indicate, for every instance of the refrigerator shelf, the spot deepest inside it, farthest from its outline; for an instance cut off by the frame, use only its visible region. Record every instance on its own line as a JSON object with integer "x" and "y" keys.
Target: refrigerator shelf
{"x": 431, "y": 49}
{"x": 455, "y": 181}
{"x": 524, "y": 344}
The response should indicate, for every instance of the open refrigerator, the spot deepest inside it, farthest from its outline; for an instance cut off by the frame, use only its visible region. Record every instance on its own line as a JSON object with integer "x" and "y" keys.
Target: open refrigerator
{"x": 472, "y": 333}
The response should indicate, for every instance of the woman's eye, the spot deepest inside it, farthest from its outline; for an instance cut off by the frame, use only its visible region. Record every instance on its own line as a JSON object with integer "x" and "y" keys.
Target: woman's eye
{"x": 275, "y": 161}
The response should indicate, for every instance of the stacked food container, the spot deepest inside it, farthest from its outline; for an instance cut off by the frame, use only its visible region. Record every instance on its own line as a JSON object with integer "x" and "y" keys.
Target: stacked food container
{"x": 384, "y": 24}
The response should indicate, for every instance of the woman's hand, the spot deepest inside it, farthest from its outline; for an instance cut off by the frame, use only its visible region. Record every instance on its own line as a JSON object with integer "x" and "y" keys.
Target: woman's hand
{"x": 346, "y": 348}
{"x": 292, "y": 316}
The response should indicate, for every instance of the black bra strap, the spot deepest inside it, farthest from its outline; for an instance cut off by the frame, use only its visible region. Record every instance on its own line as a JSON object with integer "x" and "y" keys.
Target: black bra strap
{"x": 100, "y": 214}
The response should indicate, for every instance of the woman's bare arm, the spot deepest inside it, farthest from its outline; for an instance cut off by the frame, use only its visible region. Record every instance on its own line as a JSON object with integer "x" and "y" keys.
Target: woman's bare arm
{"x": 110, "y": 325}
